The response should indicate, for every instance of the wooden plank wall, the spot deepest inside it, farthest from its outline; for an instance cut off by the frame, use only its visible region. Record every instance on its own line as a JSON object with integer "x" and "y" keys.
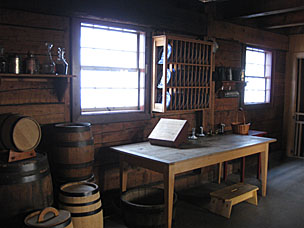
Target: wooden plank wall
{"x": 24, "y": 31}
{"x": 230, "y": 39}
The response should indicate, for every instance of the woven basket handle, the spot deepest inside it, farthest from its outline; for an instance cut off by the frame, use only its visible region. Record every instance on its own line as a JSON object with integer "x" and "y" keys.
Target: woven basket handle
{"x": 243, "y": 113}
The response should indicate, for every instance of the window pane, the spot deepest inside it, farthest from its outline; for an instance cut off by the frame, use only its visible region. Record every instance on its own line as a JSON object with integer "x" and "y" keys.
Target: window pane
{"x": 111, "y": 58}
{"x": 255, "y": 90}
{"x": 109, "y": 79}
{"x": 255, "y": 62}
{"x": 108, "y": 39}
{"x": 257, "y": 76}
{"x": 108, "y": 98}
{"x": 254, "y": 70}
{"x": 112, "y": 69}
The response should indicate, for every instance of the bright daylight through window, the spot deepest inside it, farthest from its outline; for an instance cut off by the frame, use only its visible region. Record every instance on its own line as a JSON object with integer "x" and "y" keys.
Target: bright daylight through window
{"x": 112, "y": 69}
{"x": 257, "y": 76}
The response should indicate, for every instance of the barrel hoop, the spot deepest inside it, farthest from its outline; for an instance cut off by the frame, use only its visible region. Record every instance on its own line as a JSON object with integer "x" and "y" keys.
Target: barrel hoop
{"x": 79, "y": 194}
{"x": 6, "y": 180}
{"x": 72, "y": 179}
{"x": 11, "y": 131}
{"x": 79, "y": 204}
{"x": 86, "y": 213}
{"x": 1, "y": 128}
{"x": 81, "y": 127}
{"x": 74, "y": 166}
{"x": 27, "y": 167}
{"x": 76, "y": 143}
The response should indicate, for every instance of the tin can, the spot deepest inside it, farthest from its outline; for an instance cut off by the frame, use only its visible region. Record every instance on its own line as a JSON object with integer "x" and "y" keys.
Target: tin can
{"x": 15, "y": 64}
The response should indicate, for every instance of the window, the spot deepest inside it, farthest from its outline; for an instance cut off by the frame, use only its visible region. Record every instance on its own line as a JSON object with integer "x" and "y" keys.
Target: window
{"x": 258, "y": 66}
{"x": 111, "y": 82}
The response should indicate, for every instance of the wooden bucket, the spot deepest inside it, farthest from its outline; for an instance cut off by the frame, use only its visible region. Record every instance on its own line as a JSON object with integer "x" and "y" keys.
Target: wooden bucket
{"x": 82, "y": 199}
{"x": 25, "y": 186}
{"x": 144, "y": 207}
{"x": 49, "y": 217}
{"x": 73, "y": 153}
{"x": 19, "y": 133}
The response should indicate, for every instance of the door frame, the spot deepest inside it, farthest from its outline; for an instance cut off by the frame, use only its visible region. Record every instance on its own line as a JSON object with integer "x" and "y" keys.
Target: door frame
{"x": 290, "y": 101}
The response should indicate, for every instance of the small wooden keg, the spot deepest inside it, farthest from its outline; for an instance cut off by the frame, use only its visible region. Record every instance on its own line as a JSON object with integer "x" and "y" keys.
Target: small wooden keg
{"x": 82, "y": 199}
{"x": 49, "y": 217}
{"x": 19, "y": 133}
{"x": 73, "y": 152}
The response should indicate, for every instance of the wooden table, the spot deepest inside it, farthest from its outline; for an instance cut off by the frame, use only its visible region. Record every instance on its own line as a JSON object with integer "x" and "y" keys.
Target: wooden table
{"x": 193, "y": 155}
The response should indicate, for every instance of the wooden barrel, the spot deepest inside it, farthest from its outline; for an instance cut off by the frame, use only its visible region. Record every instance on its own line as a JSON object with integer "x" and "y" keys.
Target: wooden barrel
{"x": 25, "y": 186}
{"x": 57, "y": 184}
{"x": 82, "y": 199}
{"x": 49, "y": 217}
{"x": 19, "y": 133}
{"x": 144, "y": 208}
{"x": 73, "y": 152}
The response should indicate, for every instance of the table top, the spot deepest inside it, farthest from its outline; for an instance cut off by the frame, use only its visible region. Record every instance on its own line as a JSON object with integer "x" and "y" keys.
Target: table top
{"x": 203, "y": 146}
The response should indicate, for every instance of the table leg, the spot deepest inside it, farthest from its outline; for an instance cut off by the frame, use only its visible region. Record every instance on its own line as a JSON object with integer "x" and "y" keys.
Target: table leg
{"x": 168, "y": 194}
{"x": 225, "y": 170}
{"x": 264, "y": 167}
{"x": 123, "y": 175}
{"x": 242, "y": 173}
{"x": 220, "y": 172}
{"x": 259, "y": 166}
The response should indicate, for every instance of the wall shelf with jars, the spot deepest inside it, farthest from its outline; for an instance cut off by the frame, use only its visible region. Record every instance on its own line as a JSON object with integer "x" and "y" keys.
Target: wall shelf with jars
{"x": 14, "y": 67}
{"x": 181, "y": 81}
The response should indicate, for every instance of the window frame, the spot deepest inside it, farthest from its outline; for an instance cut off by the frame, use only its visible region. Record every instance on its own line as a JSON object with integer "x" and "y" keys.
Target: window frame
{"x": 119, "y": 116}
{"x": 258, "y": 105}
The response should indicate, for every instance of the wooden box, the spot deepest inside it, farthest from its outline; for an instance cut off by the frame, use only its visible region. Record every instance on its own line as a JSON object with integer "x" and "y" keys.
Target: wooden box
{"x": 169, "y": 132}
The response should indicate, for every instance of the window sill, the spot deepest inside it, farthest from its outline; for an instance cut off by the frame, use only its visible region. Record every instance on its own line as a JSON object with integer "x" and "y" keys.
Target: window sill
{"x": 112, "y": 117}
{"x": 257, "y": 106}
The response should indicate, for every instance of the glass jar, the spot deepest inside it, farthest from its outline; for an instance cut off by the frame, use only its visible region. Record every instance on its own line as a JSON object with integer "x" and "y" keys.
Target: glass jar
{"x": 31, "y": 64}
{"x": 48, "y": 67}
{"x": 61, "y": 65}
{"x": 3, "y": 61}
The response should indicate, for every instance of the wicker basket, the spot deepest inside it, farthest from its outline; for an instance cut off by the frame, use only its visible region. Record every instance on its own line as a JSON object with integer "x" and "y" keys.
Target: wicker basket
{"x": 240, "y": 128}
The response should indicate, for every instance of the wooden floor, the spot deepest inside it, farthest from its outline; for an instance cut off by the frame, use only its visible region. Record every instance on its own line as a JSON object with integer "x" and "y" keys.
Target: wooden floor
{"x": 282, "y": 208}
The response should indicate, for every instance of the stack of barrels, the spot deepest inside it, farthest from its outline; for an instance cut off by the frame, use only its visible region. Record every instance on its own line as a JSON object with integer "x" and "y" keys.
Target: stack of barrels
{"x": 28, "y": 185}
{"x": 71, "y": 158}
{"x": 25, "y": 185}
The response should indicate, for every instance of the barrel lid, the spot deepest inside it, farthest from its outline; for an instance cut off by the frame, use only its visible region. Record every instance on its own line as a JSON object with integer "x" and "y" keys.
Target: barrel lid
{"x": 26, "y": 134}
{"x": 78, "y": 189}
{"x": 73, "y": 127}
{"x": 48, "y": 217}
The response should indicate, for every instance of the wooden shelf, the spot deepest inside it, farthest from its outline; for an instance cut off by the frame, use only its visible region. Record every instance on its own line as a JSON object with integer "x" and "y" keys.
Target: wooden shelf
{"x": 182, "y": 74}
{"x": 60, "y": 81}
{"x": 9, "y": 75}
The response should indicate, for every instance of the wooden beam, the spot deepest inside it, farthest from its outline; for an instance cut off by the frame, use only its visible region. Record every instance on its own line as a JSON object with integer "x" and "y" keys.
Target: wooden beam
{"x": 277, "y": 21}
{"x": 272, "y": 12}
{"x": 258, "y": 8}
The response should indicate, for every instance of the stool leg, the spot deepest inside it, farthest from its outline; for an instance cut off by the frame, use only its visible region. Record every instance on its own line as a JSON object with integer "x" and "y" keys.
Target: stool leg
{"x": 220, "y": 207}
{"x": 254, "y": 199}
{"x": 242, "y": 173}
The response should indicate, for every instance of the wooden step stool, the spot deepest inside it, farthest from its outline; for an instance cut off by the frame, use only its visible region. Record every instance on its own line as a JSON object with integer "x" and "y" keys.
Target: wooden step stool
{"x": 222, "y": 200}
